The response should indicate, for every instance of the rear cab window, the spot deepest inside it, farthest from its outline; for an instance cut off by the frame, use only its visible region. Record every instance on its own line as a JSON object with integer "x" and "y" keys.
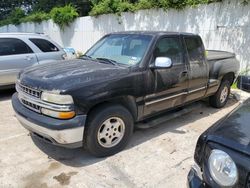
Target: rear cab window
{"x": 44, "y": 45}
{"x": 195, "y": 49}
{"x": 13, "y": 46}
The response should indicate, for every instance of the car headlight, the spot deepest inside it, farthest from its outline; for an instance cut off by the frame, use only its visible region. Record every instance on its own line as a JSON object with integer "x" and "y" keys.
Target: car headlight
{"x": 222, "y": 168}
{"x": 57, "y": 98}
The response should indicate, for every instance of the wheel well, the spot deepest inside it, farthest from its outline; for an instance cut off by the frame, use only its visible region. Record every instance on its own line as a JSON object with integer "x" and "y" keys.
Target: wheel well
{"x": 127, "y": 102}
{"x": 230, "y": 77}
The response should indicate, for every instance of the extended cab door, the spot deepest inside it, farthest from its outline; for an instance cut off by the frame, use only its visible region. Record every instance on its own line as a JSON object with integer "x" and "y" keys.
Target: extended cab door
{"x": 198, "y": 68}
{"x": 169, "y": 85}
{"x": 15, "y": 55}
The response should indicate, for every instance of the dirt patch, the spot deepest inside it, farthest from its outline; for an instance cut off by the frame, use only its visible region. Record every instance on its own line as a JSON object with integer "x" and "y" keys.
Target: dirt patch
{"x": 63, "y": 178}
{"x": 54, "y": 165}
{"x": 35, "y": 179}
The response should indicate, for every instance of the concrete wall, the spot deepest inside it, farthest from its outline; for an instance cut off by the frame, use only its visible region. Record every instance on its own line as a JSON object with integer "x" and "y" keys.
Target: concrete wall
{"x": 223, "y": 26}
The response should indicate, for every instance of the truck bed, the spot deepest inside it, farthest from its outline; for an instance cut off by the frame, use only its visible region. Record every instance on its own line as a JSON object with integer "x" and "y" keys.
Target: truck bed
{"x": 222, "y": 61}
{"x": 218, "y": 55}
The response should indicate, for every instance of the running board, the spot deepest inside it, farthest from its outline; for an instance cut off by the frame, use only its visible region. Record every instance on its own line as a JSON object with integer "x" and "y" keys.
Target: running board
{"x": 168, "y": 116}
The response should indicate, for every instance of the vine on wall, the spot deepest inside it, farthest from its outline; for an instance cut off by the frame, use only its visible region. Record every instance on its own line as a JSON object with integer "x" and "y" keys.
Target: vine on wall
{"x": 64, "y": 16}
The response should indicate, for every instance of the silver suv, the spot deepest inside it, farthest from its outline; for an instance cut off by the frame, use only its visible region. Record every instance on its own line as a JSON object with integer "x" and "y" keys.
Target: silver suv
{"x": 21, "y": 50}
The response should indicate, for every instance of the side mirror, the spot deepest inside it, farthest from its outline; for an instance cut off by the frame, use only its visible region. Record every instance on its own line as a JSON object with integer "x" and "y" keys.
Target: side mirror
{"x": 162, "y": 62}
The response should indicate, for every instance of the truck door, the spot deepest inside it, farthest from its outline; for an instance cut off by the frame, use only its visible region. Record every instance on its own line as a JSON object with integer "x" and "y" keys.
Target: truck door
{"x": 15, "y": 55}
{"x": 170, "y": 84}
{"x": 198, "y": 68}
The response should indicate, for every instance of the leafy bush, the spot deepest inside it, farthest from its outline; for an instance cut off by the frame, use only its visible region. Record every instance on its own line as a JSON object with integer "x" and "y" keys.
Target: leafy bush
{"x": 5, "y": 22}
{"x": 146, "y": 4}
{"x": 16, "y": 15}
{"x": 177, "y": 4}
{"x": 125, "y": 7}
{"x": 197, "y": 2}
{"x": 118, "y": 6}
{"x": 63, "y": 16}
{"x": 103, "y": 7}
{"x": 111, "y": 7}
{"x": 36, "y": 17}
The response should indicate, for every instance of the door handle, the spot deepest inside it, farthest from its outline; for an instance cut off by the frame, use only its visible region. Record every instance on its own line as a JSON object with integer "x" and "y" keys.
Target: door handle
{"x": 29, "y": 58}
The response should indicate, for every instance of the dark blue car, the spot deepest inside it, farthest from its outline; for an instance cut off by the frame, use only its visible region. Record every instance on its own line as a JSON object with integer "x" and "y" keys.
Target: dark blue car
{"x": 222, "y": 154}
{"x": 243, "y": 81}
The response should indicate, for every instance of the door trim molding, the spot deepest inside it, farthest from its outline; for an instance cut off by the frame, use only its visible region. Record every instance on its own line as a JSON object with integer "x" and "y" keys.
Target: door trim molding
{"x": 173, "y": 96}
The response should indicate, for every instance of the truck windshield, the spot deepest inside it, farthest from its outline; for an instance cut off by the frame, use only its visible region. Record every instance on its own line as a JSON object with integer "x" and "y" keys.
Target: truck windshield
{"x": 128, "y": 49}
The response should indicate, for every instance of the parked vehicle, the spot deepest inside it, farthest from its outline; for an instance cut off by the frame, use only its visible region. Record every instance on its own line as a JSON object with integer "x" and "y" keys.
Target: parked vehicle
{"x": 243, "y": 81}
{"x": 123, "y": 79}
{"x": 222, "y": 153}
{"x": 70, "y": 53}
{"x": 21, "y": 50}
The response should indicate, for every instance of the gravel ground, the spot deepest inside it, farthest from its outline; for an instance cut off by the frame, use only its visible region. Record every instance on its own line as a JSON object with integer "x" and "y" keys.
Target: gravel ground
{"x": 156, "y": 157}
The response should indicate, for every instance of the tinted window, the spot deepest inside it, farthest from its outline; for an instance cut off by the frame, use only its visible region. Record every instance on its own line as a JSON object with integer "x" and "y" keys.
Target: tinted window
{"x": 12, "y": 46}
{"x": 195, "y": 49}
{"x": 169, "y": 47}
{"x": 44, "y": 45}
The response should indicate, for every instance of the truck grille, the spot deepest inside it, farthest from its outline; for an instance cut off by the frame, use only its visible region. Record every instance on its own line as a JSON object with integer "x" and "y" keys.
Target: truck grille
{"x": 31, "y": 106}
{"x": 31, "y": 98}
{"x": 29, "y": 93}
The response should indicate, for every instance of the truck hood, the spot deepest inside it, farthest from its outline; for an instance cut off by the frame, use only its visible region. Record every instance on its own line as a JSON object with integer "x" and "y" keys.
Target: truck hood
{"x": 64, "y": 75}
{"x": 234, "y": 130}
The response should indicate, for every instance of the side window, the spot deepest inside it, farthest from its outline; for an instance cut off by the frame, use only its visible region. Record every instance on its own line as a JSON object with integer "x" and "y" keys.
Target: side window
{"x": 13, "y": 46}
{"x": 169, "y": 47}
{"x": 195, "y": 49}
{"x": 44, "y": 45}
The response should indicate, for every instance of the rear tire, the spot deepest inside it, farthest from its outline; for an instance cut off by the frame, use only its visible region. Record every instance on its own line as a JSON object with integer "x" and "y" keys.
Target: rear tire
{"x": 220, "y": 98}
{"x": 108, "y": 130}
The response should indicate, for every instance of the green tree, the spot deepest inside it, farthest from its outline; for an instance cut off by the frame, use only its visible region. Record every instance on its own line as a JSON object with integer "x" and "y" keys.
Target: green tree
{"x": 16, "y": 15}
{"x": 7, "y": 6}
{"x": 82, "y": 6}
{"x": 63, "y": 16}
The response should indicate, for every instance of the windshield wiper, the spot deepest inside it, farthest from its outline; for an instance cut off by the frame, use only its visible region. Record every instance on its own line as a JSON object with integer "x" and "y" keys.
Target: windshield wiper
{"x": 106, "y": 60}
{"x": 86, "y": 57}
{"x": 100, "y": 59}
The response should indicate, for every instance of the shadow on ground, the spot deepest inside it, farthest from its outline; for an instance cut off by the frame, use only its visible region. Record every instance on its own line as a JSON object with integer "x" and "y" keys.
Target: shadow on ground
{"x": 6, "y": 94}
{"x": 80, "y": 157}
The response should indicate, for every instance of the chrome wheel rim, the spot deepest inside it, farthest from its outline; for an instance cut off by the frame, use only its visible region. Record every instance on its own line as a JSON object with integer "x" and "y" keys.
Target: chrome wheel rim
{"x": 111, "y": 132}
{"x": 224, "y": 94}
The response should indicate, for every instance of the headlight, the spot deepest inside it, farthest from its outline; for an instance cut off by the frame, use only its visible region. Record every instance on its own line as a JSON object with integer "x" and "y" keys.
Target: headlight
{"x": 222, "y": 168}
{"x": 57, "y": 98}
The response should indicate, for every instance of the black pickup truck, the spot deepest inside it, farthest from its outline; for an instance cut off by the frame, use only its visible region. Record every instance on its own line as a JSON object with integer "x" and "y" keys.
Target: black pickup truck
{"x": 125, "y": 78}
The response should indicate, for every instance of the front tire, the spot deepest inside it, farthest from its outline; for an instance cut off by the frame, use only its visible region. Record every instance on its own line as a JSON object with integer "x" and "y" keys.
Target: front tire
{"x": 220, "y": 98}
{"x": 108, "y": 130}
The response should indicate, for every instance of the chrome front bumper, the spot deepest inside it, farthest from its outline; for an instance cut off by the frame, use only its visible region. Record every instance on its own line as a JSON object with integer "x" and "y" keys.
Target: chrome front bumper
{"x": 57, "y": 137}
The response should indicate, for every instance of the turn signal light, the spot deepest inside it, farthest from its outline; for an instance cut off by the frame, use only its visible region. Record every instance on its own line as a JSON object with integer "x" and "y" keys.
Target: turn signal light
{"x": 66, "y": 115}
{"x": 59, "y": 115}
